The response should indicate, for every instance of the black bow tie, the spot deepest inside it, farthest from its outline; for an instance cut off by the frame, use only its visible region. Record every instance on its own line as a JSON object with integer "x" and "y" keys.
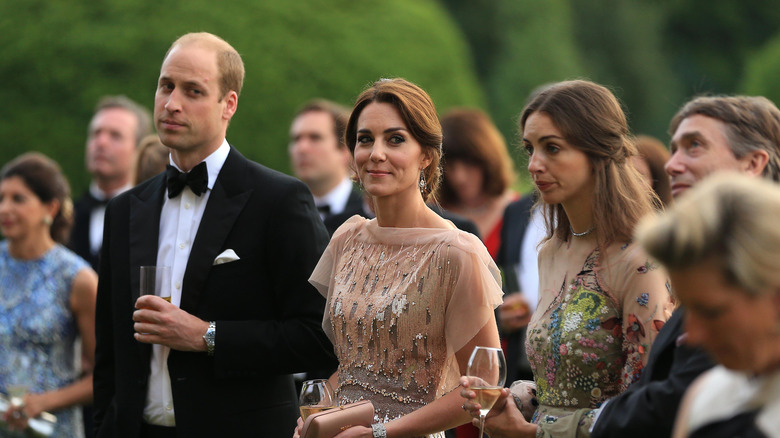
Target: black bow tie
{"x": 94, "y": 202}
{"x": 197, "y": 179}
{"x": 324, "y": 209}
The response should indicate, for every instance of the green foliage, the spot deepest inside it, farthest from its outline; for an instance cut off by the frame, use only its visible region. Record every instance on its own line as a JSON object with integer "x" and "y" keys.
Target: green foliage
{"x": 708, "y": 41}
{"x": 518, "y": 47}
{"x": 621, "y": 48}
{"x": 60, "y": 57}
{"x": 761, "y": 72}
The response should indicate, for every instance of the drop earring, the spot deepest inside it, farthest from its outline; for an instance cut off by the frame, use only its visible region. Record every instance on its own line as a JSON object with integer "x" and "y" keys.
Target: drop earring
{"x": 422, "y": 182}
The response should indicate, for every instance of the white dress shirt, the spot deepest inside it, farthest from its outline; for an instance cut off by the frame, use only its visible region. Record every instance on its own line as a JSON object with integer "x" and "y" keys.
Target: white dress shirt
{"x": 179, "y": 223}
{"x": 336, "y": 199}
{"x": 528, "y": 268}
{"x": 98, "y": 214}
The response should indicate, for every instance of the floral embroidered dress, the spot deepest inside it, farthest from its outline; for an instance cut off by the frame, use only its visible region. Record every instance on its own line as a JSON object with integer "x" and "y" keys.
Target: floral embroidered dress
{"x": 36, "y": 324}
{"x": 598, "y": 313}
{"x": 400, "y": 303}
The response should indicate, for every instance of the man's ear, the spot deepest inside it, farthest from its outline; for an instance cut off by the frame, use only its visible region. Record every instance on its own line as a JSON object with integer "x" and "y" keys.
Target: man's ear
{"x": 754, "y": 162}
{"x": 231, "y": 105}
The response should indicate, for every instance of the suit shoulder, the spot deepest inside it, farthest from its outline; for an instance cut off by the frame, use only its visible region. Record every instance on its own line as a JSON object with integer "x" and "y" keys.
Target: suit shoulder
{"x": 263, "y": 176}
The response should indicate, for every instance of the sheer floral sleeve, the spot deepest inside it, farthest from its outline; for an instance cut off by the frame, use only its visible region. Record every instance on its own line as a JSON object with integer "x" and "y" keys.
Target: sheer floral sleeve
{"x": 643, "y": 289}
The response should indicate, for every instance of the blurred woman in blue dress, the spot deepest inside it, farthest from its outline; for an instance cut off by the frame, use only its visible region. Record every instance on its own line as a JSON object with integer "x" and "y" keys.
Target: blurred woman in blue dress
{"x": 47, "y": 300}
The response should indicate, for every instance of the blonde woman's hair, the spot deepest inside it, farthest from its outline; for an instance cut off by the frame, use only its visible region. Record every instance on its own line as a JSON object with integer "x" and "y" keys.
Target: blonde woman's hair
{"x": 728, "y": 218}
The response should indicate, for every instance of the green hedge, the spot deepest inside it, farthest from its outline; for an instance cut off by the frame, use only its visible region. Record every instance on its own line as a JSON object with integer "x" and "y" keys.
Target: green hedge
{"x": 58, "y": 58}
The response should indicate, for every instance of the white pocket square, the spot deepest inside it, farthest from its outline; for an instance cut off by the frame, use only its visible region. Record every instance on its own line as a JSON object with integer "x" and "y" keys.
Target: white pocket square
{"x": 227, "y": 256}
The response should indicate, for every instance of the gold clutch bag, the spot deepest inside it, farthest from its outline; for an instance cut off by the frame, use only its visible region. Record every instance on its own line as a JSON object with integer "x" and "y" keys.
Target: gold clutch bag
{"x": 327, "y": 424}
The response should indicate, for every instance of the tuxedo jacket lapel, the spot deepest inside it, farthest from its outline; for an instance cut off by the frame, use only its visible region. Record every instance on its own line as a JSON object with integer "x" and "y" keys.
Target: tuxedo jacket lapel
{"x": 225, "y": 203}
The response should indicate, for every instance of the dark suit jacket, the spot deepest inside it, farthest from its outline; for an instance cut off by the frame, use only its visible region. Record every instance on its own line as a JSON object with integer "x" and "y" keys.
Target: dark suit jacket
{"x": 268, "y": 316}
{"x": 649, "y": 407}
{"x": 516, "y": 217}
{"x": 354, "y": 206}
{"x": 79, "y": 235}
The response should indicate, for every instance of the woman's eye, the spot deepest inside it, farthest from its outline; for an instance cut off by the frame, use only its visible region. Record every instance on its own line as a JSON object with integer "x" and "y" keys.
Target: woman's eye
{"x": 529, "y": 150}
{"x": 552, "y": 149}
{"x": 363, "y": 139}
{"x": 397, "y": 139}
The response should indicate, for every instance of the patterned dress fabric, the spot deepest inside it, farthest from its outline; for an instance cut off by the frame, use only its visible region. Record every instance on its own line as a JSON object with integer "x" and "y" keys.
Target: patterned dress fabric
{"x": 400, "y": 303}
{"x": 37, "y": 328}
{"x": 598, "y": 313}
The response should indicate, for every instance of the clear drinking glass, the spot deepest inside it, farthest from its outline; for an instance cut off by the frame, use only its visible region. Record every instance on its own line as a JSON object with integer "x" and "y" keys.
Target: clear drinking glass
{"x": 156, "y": 280}
{"x": 487, "y": 367}
{"x": 23, "y": 379}
{"x": 316, "y": 396}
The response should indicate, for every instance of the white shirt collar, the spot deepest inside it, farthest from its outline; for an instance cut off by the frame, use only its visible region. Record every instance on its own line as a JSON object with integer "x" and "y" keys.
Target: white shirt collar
{"x": 336, "y": 198}
{"x": 100, "y": 195}
{"x": 214, "y": 162}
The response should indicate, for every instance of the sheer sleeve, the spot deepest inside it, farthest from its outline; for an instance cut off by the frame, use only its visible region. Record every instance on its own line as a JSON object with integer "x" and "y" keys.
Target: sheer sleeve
{"x": 643, "y": 291}
{"x": 475, "y": 295}
{"x": 322, "y": 276}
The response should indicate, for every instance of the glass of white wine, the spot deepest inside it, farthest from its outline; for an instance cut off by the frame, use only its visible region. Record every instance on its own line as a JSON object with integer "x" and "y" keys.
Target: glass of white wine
{"x": 19, "y": 387}
{"x": 156, "y": 280}
{"x": 487, "y": 367}
{"x": 316, "y": 396}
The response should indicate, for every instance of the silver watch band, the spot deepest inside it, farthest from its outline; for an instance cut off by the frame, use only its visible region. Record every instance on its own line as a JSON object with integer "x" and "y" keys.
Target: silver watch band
{"x": 210, "y": 337}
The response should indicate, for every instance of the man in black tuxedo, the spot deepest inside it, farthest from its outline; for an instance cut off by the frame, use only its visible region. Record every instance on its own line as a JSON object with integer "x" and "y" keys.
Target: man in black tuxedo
{"x": 241, "y": 241}
{"x": 320, "y": 158}
{"x": 115, "y": 130}
{"x": 709, "y": 134}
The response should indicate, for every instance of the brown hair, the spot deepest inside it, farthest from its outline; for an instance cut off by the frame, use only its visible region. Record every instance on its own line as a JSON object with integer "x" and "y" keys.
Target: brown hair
{"x": 752, "y": 123}
{"x": 338, "y": 113}
{"x": 229, "y": 62}
{"x": 419, "y": 115}
{"x": 150, "y": 159}
{"x": 655, "y": 154}
{"x": 43, "y": 176}
{"x": 142, "y": 115}
{"x": 470, "y": 136}
{"x": 590, "y": 118}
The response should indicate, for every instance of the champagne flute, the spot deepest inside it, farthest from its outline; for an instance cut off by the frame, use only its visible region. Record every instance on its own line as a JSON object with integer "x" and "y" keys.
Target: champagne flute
{"x": 316, "y": 396}
{"x": 156, "y": 280}
{"x": 487, "y": 367}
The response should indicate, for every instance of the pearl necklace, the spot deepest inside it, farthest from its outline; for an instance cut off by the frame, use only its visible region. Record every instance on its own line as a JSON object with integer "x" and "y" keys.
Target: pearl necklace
{"x": 584, "y": 233}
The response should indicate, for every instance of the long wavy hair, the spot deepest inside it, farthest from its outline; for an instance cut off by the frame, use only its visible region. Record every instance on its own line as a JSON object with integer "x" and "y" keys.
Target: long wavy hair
{"x": 590, "y": 118}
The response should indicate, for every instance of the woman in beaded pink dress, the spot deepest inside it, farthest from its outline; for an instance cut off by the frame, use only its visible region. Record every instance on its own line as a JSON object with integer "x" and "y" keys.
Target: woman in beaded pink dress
{"x": 601, "y": 301}
{"x": 409, "y": 296}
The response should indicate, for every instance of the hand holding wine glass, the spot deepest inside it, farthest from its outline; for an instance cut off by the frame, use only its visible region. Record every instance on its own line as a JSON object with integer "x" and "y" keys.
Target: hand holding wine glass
{"x": 487, "y": 368}
{"x": 316, "y": 396}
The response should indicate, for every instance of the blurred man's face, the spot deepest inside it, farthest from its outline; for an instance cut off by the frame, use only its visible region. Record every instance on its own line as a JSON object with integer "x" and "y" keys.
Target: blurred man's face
{"x": 699, "y": 147}
{"x": 314, "y": 150}
{"x": 111, "y": 143}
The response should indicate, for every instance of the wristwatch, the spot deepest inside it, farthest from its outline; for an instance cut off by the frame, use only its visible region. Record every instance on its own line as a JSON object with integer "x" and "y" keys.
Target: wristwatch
{"x": 210, "y": 336}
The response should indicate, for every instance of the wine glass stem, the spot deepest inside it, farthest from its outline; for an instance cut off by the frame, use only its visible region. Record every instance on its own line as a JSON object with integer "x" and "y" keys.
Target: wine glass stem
{"x": 481, "y": 426}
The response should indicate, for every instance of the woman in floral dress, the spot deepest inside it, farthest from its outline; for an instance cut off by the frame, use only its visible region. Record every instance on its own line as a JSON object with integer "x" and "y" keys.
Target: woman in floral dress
{"x": 601, "y": 301}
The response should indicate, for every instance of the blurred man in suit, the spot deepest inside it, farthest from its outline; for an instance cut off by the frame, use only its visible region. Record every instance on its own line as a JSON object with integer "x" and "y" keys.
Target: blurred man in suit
{"x": 320, "y": 158}
{"x": 114, "y": 133}
{"x": 241, "y": 241}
